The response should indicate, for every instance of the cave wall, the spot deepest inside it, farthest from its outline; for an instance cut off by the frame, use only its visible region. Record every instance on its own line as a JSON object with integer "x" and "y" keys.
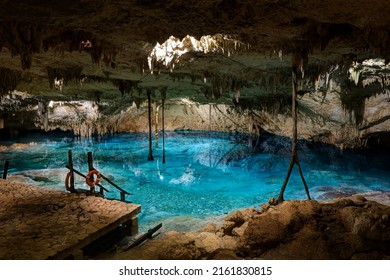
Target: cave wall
{"x": 320, "y": 119}
{"x": 62, "y": 52}
{"x": 324, "y": 115}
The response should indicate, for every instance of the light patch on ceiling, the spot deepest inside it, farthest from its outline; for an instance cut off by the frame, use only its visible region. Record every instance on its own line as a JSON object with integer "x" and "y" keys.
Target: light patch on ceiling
{"x": 369, "y": 67}
{"x": 169, "y": 52}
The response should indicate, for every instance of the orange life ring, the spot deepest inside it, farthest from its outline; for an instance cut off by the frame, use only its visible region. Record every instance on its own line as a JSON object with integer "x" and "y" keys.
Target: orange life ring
{"x": 67, "y": 181}
{"x": 90, "y": 175}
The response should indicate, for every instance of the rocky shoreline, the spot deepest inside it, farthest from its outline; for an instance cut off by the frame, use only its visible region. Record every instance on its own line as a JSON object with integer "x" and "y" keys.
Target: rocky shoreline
{"x": 354, "y": 227}
{"x": 346, "y": 228}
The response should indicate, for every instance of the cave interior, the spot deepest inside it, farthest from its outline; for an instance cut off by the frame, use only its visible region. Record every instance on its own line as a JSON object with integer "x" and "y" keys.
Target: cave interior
{"x": 89, "y": 67}
{"x": 231, "y": 53}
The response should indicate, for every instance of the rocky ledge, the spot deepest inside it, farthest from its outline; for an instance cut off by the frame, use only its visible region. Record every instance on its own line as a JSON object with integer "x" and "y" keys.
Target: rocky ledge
{"x": 346, "y": 228}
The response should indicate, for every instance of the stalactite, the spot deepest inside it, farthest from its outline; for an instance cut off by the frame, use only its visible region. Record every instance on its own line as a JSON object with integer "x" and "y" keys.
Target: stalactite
{"x": 23, "y": 39}
{"x": 237, "y": 95}
{"x": 354, "y": 75}
{"x": 71, "y": 73}
{"x": 125, "y": 86}
{"x": 9, "y": 79}
{"x": 78, "y": 40}
{"x": 43, "y": 113}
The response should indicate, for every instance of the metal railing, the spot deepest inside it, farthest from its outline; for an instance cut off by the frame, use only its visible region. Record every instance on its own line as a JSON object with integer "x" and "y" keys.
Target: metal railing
{"x": 123, "y": 193}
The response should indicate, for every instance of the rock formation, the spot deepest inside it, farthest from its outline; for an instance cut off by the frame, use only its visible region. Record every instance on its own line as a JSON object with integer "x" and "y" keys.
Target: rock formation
{"x": 86, "y": 67}
{"x": 347, "y": 228}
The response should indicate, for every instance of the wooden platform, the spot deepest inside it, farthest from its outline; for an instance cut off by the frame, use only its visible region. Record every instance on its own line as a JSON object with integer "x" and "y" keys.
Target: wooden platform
{"x": 41, "y": 223}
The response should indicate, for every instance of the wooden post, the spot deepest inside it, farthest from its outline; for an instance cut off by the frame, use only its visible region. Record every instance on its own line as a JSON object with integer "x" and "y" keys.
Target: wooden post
{"x": 71, "y": 179}
{"x": 150, "y": 156}
{"x": 131, "y": 226}
{"x": 163, "y": 123}
{"x": 144, "y": 237}
{"x": 90, "y": 167}
{"x": 90, "y": 161}
{"x": 123, "y": 196}
{"x": 6, "y": 165}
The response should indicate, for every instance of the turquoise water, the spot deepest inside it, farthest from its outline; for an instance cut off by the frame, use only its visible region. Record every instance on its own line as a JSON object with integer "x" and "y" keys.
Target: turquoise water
{"x": 206, "y": 174}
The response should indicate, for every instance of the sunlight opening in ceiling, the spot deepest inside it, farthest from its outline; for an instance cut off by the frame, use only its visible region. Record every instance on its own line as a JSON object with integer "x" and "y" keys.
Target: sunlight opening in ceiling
{"x": 169, "y": 53}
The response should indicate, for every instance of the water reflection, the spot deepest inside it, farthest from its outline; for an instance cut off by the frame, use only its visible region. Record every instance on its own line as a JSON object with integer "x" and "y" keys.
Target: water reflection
{"x": 206, "y": 174}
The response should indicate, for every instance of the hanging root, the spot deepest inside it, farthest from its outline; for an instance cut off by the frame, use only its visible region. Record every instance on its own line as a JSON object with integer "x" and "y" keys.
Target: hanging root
{"x": 299, "y": 59}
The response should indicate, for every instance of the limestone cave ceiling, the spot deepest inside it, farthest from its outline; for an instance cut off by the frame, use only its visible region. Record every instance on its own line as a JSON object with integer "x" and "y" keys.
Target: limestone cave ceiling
{"x": 67, "y": 49}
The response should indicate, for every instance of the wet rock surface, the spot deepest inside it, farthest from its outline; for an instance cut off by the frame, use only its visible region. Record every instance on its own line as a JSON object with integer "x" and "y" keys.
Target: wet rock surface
{"x": 346, "y": 228}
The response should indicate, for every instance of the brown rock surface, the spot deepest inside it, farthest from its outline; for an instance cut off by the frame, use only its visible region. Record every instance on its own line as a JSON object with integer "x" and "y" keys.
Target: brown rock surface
{"x": 347, "y": 228}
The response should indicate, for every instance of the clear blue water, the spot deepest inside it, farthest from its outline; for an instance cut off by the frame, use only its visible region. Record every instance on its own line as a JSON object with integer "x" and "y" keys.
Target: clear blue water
{"x": 206, "y": 174}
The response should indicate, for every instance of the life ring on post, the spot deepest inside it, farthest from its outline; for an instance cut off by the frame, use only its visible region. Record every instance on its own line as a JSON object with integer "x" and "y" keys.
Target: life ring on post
{"x": 67, "y": 181}
{"x": 90, "y": 174}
